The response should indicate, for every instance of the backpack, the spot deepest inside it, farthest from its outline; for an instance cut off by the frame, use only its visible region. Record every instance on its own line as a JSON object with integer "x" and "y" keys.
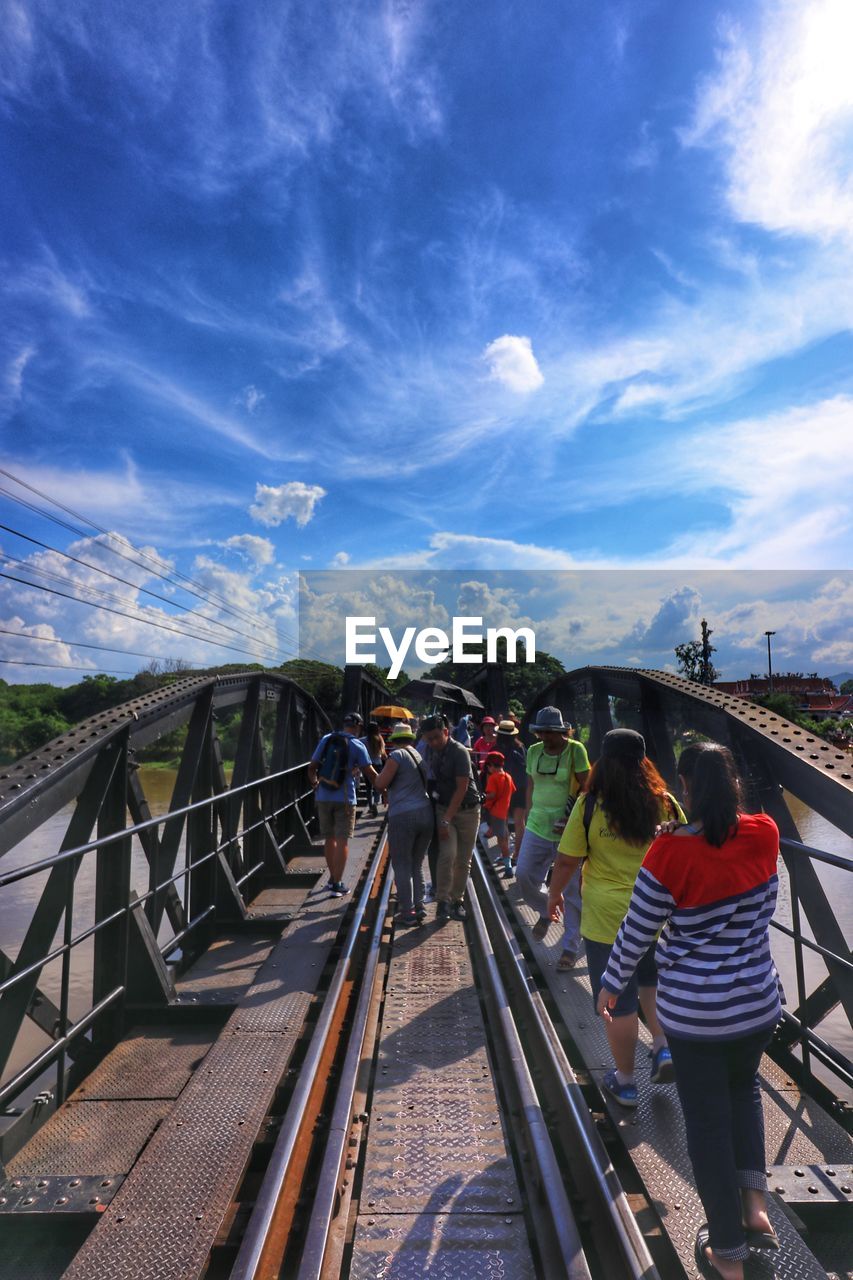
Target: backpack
{"x": 334, "y": 762}
{"x": 589, "y": 806}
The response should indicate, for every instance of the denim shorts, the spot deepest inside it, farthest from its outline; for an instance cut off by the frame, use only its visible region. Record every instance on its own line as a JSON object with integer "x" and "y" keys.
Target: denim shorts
{"x": 645, "y": 975}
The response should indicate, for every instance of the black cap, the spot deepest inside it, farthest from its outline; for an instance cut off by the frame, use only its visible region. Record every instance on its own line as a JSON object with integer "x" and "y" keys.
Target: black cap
{"x": 352, "y": 717}
{"x": 624, "y": 744}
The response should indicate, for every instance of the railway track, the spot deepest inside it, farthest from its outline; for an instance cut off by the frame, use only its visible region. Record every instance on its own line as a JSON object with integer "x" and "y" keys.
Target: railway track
{"x": 312, "y": 1212}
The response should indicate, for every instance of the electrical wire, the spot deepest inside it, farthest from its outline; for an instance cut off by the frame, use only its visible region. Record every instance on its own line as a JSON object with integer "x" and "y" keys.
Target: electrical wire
{"x": 66, "y": 580}
{"x": 59, "y": 666}
{"x": 194, "y": 588}
{"x": 87, "y": 564}
{"x": 36, "y": 586}
{"x": 82, "y": 644}
{"x": 206, "y": 595}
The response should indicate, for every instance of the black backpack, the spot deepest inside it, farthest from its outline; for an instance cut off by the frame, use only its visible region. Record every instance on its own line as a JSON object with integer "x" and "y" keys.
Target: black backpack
{"x": 334, "y": 761}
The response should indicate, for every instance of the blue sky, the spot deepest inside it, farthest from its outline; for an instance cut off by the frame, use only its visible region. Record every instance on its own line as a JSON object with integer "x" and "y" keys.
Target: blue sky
{"x": 425, "y": 286}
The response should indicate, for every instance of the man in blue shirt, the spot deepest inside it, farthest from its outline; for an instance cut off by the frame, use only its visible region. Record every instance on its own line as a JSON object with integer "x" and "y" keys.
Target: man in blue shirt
{"x": 336, "y": 805}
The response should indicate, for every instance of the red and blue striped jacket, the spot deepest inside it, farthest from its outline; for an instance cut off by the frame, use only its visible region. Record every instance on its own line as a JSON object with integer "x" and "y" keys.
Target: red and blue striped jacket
{"x": 716, "y": 977}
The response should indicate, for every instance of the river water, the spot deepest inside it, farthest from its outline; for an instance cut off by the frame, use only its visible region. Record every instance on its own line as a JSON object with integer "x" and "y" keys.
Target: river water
{"x": 18, "y": 901}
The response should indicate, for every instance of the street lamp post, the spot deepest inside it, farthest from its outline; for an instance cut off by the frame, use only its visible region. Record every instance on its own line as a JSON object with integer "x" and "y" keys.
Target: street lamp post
{"x": 769, "y": 662}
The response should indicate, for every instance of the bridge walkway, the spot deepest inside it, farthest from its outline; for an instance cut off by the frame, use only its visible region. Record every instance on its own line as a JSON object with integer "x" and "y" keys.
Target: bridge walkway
{"x": 158, "y": 1137}
{"x": 799, "y": 1133}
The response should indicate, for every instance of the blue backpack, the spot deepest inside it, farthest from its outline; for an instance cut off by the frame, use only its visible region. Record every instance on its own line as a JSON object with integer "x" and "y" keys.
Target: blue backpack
{"x": 334, "y": 761}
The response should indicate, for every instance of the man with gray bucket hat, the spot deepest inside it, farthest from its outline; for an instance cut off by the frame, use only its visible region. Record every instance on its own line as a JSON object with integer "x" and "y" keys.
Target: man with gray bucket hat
{"x": 557, "y": 770}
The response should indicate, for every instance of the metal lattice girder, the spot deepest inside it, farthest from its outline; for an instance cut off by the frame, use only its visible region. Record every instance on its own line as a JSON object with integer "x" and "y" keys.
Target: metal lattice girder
{"x": 38, "y": 785}
{"x": 820, "y": 774}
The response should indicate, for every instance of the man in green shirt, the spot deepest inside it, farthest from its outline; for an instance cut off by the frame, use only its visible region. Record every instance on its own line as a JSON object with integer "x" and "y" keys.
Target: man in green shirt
{"x": 557, "y": 770}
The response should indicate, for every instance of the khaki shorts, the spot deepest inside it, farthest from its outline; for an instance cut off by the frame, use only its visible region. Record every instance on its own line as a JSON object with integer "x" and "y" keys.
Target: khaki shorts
{"x": 336, "y": 819}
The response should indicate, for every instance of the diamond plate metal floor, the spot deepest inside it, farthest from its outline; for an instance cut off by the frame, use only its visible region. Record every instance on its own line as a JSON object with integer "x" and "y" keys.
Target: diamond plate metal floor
{"x": 177, "y": 1109}
{"x": 439, "y": 1195}
{"x": 797, "y": 1128}
{"x": 164, "y": 1220}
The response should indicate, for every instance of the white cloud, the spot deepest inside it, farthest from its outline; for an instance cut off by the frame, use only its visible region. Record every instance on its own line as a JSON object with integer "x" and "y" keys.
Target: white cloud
{"x": 259, "y": 550}
{"x": 511, "y": 362}
{"x": 647, "y": 151}
{"x": 340, "y": 559}
{"x": 294, "y": 500}
{"x": 446, "y": 550}
{"x": 783, "y": 112}
{"x": 250, "y": 397}
{"x": 15, "y": 370}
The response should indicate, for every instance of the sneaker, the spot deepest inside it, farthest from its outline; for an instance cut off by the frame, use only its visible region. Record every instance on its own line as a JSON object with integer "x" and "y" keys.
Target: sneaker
{"x": 442, "y": 912}
{"x": 408, "y": 918}
{"x": 509, "y": 873}
{"x": 663, "y": 1070}
{"x": 540, "y": 928}
{"x": 625, "y": 1094}
{"x": 458, "y": 911}
{"x": 330, "y": 883}
{"x": 420, "y": 914}
{"x": 338, "y": 889}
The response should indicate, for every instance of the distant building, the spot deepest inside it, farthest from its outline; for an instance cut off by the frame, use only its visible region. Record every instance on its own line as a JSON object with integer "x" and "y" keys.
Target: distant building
{"x": 814, "y": 696}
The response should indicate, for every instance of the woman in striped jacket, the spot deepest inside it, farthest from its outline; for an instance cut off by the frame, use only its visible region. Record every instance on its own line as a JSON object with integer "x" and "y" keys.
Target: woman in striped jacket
{"x": 711, "y": 886}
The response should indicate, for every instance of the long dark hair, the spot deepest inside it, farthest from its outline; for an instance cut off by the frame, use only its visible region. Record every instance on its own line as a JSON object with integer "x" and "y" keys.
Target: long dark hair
{"x": 630, "y": 793}
{"x": 715, "y": 793}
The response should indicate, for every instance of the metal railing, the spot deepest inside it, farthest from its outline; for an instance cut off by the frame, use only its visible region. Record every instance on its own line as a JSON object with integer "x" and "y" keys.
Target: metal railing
{"x": 797, "y": 1028}
{"x": 68, "y": 861}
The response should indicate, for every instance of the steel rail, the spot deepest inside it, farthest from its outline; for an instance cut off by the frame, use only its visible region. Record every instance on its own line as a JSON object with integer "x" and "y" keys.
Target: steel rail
{"x": 565, "y": 1256}
{"x": 326, "y": 1193}
{"x": 265, "y": 1239}
{"x": 591, "y": 1166}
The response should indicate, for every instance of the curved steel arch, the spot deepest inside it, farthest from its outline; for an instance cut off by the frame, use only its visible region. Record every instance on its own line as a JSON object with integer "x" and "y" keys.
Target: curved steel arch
{"x": 772, "y": 754}
{"x": 203, "y": 861}
{"x": 813, "y": 770}
{"x": 38, "y": 785}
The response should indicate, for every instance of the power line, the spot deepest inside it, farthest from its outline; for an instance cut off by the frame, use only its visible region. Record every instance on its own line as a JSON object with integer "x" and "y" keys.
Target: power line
{"x": 102, "y": 594}
{"x": 209, "y": 598}
{"x": 36, "y": 586}
{"x": 82, "y": 644}
{"x": 207, "y": 595}
{"x": 87, "y": 564}
{"x": 60, "y": 666}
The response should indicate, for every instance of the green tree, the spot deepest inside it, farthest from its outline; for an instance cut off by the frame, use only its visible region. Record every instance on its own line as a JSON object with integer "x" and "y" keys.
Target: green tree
{"x": 690, "y": 657}
{"x": 847, "y": 686}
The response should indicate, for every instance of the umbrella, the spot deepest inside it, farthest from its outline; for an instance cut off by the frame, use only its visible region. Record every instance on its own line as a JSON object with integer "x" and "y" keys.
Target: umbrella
{"x": 441, "y": 691}
{"x": 392, "y": 713}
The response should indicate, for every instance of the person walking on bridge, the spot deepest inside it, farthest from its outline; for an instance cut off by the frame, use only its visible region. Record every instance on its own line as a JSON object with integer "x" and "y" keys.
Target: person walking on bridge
{"x": 711, "y": 886}
{"x": 612, "y": 827}
{"x": 332, "y": 769}
{"x": 457, "y": 815}
{"x": 410, "y": 821}
{"x": 557, "y": 770}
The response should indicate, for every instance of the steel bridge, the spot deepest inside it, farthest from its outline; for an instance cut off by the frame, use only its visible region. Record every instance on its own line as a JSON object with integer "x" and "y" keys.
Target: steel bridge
{"x": 212, "y": 1068}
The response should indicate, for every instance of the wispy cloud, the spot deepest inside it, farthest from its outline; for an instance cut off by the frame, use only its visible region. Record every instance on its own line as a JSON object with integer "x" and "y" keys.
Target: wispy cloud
{"x": 782, "y": 109}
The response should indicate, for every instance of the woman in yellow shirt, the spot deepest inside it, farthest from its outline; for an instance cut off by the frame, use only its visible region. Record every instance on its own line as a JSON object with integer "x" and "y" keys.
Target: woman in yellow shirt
{"x": 612, "y": 828}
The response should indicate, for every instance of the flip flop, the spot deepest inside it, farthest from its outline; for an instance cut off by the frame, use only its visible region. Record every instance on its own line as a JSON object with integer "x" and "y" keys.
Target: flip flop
{"x": 761, "y": 1239}
{"x": 703, "y": 1262}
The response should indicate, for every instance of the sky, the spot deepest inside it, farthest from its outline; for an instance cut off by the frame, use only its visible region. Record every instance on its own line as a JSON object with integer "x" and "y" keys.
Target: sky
{"x": 403, "y": 285}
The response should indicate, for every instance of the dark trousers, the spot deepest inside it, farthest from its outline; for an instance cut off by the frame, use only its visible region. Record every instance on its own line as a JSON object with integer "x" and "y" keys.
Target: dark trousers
{"x": 718, "y": 1088}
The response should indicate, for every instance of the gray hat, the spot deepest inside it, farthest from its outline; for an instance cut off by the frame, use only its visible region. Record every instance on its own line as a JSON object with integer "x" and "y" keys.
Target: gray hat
{"x": 625, "y": 744}
{"x": 353, "y": 717}
{"x": 549, "y": 720}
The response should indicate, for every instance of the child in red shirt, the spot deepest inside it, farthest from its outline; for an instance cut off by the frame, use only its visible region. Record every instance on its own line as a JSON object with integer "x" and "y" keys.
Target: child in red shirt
{"x": 499, "y": 789}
